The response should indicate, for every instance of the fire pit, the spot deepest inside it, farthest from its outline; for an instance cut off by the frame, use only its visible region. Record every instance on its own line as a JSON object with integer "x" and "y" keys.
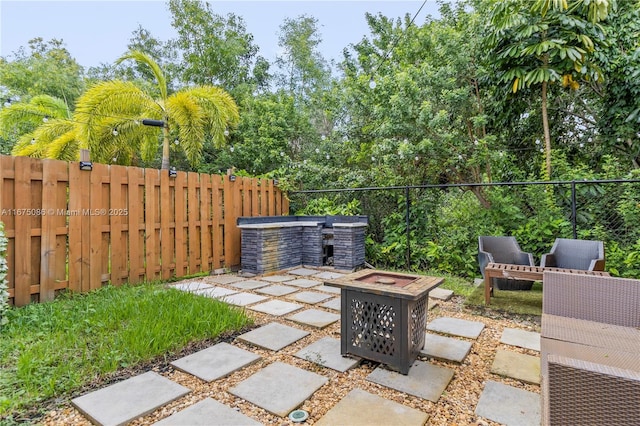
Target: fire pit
{"x": 384, "y": 315}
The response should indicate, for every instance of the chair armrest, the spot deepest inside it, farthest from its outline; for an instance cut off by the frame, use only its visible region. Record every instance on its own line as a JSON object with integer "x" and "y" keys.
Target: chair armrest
{"x": 484, "y": 258}
{"x": 548, "y": 260}
{"x": 524, "y": 258}
{"x": 597, "y": 265}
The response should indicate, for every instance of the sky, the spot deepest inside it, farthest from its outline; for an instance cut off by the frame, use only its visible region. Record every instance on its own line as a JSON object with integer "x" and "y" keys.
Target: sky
{"x": 97, "y": 32}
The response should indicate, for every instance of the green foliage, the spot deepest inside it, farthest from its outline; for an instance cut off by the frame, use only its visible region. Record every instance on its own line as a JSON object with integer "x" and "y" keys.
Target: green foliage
{"x": 52, "y": 349}
{"x": 325, "y": 206}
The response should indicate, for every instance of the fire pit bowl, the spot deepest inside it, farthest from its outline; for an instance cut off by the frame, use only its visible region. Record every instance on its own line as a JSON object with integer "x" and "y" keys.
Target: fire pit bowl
{"x": 384, "y": 315}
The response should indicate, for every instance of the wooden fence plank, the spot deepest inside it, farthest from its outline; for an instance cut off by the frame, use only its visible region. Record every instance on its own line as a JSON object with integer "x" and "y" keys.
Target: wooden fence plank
{"x": 193, "y": 214}
{"x": 152, "y": 216}
{"x": 78, "y": 189}
{"x": 166, "y": 218}
{"x": 217, "y": 222}
{"x": 7, "y": 186}
{"x": 205, "y": 223}
{"x": 93, "y": 215}
{"x": 22, "y": 201}
{"x": 117, "y": 215}
{"x": 270, "y": 197}
{"x": 255, "y": 198}
{"x": 264, "y": 193}
{"x": 135, "y": 210}
{"x": 180, "y": 215}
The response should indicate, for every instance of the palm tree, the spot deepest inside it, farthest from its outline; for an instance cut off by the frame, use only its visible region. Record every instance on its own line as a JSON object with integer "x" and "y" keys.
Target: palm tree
{"x": 110, "y": 117}
{"x": 41, "y": 128}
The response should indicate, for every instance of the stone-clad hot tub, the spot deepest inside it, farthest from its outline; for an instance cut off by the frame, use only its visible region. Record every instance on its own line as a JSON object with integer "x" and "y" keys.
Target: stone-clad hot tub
{"x": 274, "y": 243}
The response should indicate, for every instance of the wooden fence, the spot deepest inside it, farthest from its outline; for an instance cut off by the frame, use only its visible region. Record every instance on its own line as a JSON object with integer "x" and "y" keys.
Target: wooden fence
{"x": 77, "y": 229}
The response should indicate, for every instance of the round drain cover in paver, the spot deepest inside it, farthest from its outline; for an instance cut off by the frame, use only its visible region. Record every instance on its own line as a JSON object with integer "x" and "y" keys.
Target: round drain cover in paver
{"x": 298, "y": 416}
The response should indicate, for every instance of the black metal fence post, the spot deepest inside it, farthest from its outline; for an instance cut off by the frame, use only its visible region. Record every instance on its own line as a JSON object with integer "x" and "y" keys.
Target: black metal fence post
{"x": 574, "y": 209}
{"x": 408, "y": 207}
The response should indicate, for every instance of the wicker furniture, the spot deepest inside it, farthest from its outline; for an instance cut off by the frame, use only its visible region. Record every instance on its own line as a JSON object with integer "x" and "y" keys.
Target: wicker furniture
{"x": 503, "y": 250}
{"x": 589, "y": 350}
{"x": 575, "y": 254}
{"x": 513, "y": 272}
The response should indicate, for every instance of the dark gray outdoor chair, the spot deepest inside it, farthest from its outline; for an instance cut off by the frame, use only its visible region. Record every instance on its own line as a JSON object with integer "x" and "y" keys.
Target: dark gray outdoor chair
{"x": 586, "y": 255}
{"x": 504, "y": 250}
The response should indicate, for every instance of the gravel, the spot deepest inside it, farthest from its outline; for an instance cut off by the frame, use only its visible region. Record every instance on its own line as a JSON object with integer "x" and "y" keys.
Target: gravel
{"x": 455, "y": 407}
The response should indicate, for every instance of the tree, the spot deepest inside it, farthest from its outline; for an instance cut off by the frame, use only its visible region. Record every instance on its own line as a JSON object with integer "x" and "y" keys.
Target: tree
{"x": 110, "y": 117}
{"x": 215, "y": 50}
{"x": 545, "y": 42}
{"x": 48, "y": 69}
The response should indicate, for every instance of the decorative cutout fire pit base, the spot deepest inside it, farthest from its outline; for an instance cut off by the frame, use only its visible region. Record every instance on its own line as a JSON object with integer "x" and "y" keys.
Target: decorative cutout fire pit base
{"x": 384, "y": 315}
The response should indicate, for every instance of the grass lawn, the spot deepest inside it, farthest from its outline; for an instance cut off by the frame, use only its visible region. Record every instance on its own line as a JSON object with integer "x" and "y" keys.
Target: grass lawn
{"x": 53, "y": 349}
{"x": 514, "y": 302}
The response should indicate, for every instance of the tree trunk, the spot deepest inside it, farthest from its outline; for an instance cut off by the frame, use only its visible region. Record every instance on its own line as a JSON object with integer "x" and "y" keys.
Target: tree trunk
{"x": 545, "y": 128}
{"x": 165, "y": 147}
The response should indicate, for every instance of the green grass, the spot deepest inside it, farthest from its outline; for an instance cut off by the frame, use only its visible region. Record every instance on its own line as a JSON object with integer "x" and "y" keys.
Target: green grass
{"x": 513, "y": 302}
{"x": 51, "y": 349}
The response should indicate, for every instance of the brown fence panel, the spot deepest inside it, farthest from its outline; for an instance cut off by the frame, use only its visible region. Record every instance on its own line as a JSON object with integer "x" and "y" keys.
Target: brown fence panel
{"x": 79, "y": 229}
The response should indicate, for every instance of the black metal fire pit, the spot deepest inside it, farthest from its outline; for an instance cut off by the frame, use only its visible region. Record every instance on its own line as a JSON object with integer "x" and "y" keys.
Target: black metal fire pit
{"x": 384, "y": 315}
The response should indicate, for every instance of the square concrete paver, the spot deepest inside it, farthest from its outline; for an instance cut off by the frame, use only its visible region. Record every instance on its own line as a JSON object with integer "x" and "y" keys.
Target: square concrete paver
{"x": 303, "y": 272}
{"x": 249, "y": 284}
{"x": 129, "y": 399}
{"x": 304, "y": 283}
{"x": 277, "y": 290}
{"x": 215, "y": 362}
{"x": 327, "y": 289}
{"x": 279, "y": 388}
{"x": 191, "y": 286}
{"x": 334, "y": 304}
{"x": 424, "y": 380}
{"x": 276, "y": 307}
{"x": 456, "y": 327}
{"x": 508, "y": 405}
{"x": 311, "y": 297}
{"x": 326, "y": 352}
{"x": 521, "y": 338}
{"x": 202, "y": 413}
{"x": 315, "y": 318}
{"x": 273, "y": 336}
{"x": 441, "y": 294}
{"x": 445, "y": 348}
{"x": 328, "y": 275}
{"x": 360, "y": 408}
{"x": 224, "y": 279}
{"x": 215, "y": 292}
{"x": 517, "y": 366}
{"x": 243, "y": 299}
{"x": 277, "y": 278}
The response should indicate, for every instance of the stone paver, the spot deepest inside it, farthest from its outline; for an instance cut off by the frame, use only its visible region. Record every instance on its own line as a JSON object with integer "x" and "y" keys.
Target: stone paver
{"x": 315, "y": 318}
{"x": 243, "y": 299}
{"x": 335, "y": 304}
{"x": 191, "y": 286}
{"x": 328, "y": 275}
{"x": 517, "y": 366}
{"x": 445, "y": 348}
{"x": 311, "y": 297}
{"x": 215, "y": 292}
{"x": 203, "y": 413}
{"x": 131, "y": 398}
{"x": 326, "y": 352}
{"x": 456, "y": 327}
{"x": 279, "y": 388}
{"x": 424, "y": 380}
{"x": 276, "y": 307}
{"x": 215, "y": 362}
{"x": 277, "y": 278}
{"x": 249, "y": 284}
{"x": 303, "y": 272}
{"x": 521, "y": 338}
{"x": 509, "y": 405}
{"x": 360, "y": 408}
{"x": 327, "y": 289}
{"x": 441, "y": 294}
{"x": 224, "y": 279}
{"x": 273, "y": 336}
{"x": 277, "y": 290}
{"x": 304, "y": 283}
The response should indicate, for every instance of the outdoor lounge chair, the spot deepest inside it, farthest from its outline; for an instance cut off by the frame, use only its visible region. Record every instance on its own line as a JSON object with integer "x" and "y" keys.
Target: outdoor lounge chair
{"x": 504, "y": 250}
{"x": 586, "y": 255}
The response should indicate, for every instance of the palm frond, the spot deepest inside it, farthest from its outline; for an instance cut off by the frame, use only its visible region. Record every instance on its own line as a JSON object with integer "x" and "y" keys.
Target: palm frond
{"x": 145, "y": 59}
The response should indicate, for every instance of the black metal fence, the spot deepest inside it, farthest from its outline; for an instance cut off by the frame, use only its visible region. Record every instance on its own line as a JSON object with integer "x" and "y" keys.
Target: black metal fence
{"x": 436, "y": 227}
